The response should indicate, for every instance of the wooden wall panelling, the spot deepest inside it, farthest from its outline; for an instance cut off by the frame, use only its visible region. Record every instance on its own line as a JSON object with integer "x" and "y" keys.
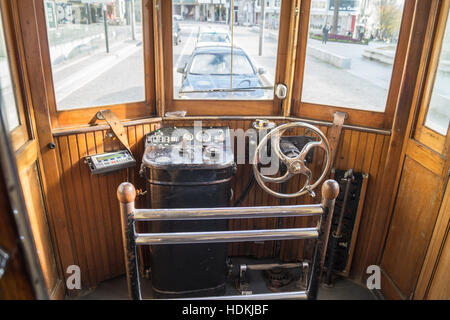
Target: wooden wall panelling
{"x": 416, "y": 224}
{"x": 439, "y": 284}
{"x": 103, "y": 221}
{"x": 411, "y": 226}
{"x": 86, "y": 202}
{"x": 240, "y": 182}
{"x": 103, "y": 202}
{"x": 72, "y": 206}
{"x": 387, "y": 186}
{"x": 245, "y": 249}
{"x": 92, "y": 208}
{"x": 30, "y": 181}
{"x": 375, "y": 152}
{"x": 439, "y": 288}
{"x": 434, "y": 281}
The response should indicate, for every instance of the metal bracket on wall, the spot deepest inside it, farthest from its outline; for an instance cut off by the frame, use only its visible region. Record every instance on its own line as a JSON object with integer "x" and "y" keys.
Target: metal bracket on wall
{"x": 334, "y": 133}
{"x": 115, "y": 124}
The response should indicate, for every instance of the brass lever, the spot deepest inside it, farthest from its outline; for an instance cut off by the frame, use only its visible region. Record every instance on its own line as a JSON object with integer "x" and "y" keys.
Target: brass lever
{"x": 140, "y": 193}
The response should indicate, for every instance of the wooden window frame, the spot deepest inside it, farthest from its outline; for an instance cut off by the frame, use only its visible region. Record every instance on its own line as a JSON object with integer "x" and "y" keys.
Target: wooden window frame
{"x": 21, "y": 134}
{"x": 211, "y": 107}
{"x": 82, "y": 116}
{"x": 424, "y": 134}
{"x": 291, "y": 56}
{"x": 371, "y": 119}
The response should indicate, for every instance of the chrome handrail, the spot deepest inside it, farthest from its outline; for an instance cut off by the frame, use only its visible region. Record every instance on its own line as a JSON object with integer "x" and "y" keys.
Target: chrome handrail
{"x": 126, "y": 194}
{"x": 227, "y": 213}
{"x": 226, "y": 236}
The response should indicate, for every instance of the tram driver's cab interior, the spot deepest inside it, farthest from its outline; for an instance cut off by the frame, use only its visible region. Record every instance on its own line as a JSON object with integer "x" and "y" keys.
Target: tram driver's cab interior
{"x": 262, "y": 150}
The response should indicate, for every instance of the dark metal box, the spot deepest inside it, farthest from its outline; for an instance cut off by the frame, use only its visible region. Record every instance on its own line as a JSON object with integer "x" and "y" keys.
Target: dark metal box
{"x": 188, "y": 169}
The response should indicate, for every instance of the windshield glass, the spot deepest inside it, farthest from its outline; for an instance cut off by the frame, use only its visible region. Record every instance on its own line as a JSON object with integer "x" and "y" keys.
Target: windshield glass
{"x": 220, "y": 64}
{"x": 214, "y": 37}
{"x": 201, "y": 47}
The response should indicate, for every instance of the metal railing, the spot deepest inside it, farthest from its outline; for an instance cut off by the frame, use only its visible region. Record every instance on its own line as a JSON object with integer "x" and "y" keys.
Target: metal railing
{"x": 126, "y": 195}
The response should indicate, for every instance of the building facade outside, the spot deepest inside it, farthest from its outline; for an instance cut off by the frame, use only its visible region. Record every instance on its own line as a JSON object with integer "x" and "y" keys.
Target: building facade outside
{"x": 358, "y": 18}
{"x": 60, "y": 13}
{"x": 246, "y": 12}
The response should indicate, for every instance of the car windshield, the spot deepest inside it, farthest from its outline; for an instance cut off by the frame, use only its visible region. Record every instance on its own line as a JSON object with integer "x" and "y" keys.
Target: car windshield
{"x": 220, "y": 63}
{"x": 214, "y": 37}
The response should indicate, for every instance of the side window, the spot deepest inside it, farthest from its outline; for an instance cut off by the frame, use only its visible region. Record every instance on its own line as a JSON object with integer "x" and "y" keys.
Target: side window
{"x": 350, "y": 54}
{"x": 438, "y": 115}
{"x": 8, "y": 102}
{"x": 433, "y": 118}
{"x": 96, "y": 52}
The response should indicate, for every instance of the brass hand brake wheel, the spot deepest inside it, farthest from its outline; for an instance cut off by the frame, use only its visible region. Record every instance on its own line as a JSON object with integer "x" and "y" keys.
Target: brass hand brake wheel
{"x": 295, "y": 165}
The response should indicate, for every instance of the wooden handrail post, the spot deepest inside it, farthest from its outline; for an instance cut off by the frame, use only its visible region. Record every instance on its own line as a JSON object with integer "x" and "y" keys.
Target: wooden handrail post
{"x": 126, "y": 194}
{"x": 330, "y": 191}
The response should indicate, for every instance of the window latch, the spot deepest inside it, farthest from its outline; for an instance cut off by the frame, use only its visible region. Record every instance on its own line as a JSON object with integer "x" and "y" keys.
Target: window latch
{"x": 281, "y": 91}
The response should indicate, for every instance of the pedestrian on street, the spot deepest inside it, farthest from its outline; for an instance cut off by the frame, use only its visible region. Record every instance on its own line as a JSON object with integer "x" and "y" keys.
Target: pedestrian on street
{"x": 325, "y": 31}
{"x": 361, "y": 35}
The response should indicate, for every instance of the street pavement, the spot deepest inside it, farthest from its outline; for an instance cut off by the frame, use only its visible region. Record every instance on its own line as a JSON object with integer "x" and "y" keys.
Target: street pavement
{"x": 364, "y": 86}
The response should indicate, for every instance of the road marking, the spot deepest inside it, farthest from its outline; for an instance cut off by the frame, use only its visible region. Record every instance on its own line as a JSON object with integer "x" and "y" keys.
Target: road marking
{"x": 86, "y": 75}
{"x": 176, "y": 76}
{"x": 184, "y": 49}
{"x": 70, "y": 64}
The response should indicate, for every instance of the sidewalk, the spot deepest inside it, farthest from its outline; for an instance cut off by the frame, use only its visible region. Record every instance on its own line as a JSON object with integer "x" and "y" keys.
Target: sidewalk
{"x": 374, "y": 72}
{"x": 65, "y": 40}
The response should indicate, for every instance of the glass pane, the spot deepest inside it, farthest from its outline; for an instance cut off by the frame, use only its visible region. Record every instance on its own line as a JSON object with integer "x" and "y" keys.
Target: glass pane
{"x": 438, "y": 116}
{"x": 213, "y": 59}
{"x": 350, "y": 52}
{"x": 96, "y": 63}
{"x": 7, "y": 96}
